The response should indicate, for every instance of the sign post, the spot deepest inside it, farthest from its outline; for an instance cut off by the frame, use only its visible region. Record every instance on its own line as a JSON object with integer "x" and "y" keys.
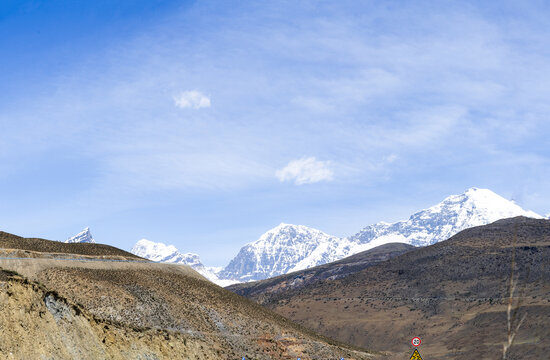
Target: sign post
{"x": 416, "y": 343}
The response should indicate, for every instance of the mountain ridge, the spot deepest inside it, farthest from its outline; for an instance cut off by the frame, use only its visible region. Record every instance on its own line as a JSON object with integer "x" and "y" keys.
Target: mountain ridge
{"x": 270, "y": 288}
{"x": 453, "y": 293}
{"x": 287, "y": 248}
{"x": 17, "y": 244}
{"x": 271, "y": 256}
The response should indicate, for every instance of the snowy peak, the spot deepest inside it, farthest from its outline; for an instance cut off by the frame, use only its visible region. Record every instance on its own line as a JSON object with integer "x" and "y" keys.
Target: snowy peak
{"x": 487, "y": 205}
{"x": 287, "y": 234}
{"x": 280, "y": 250}
{"x": 287, "y": 248}
{"x": 455, "y": 213}
{"x": 85, "y": 236}
{"x": 159, "y": 252}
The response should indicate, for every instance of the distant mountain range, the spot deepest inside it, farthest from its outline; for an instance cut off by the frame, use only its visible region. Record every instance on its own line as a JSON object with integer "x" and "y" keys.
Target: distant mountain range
{"x": 455, "y": 213}
{"x": 287, "y": 248}
{"x": 269, "y": 290}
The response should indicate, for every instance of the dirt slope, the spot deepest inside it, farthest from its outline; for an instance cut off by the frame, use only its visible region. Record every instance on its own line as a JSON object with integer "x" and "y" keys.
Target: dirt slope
{"x": 452, "y": 294}
{"x": 79, "y": 308}
{"x": 38, "y": 324}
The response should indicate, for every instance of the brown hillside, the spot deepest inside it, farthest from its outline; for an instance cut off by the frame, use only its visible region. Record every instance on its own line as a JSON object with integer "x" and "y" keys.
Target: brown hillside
{"x": 10, "y": 241}
{"x": 452, "y": 294}
{"x": 103, "y": 309}
{"x": 267, "y": 291}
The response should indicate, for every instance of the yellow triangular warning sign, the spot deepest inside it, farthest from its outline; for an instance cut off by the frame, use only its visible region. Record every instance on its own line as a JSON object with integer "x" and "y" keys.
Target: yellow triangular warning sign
{"x": 416, "y": 355}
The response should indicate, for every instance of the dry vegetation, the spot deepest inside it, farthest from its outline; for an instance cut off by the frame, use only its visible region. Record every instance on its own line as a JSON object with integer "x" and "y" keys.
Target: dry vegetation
{"x": 10, "y": 241}
{"x": 454, "y": 295}
{"x": 81, "y": 309}
{"x": 266, "y": 291}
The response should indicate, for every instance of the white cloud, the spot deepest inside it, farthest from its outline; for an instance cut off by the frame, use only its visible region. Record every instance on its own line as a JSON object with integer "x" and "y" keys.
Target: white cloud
{"x": 390, "y": 158}
{"x": 305, "y": 171}
{"x": 192, "y": 99}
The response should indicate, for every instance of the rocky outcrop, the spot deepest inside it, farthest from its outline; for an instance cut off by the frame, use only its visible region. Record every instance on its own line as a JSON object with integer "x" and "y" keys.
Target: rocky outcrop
{"x": 64, "y": 309}
{"x": 39, "y": 324}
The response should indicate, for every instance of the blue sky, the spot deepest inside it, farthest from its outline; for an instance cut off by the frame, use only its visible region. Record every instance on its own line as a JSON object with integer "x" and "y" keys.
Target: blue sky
{"x": 203, "y": 124}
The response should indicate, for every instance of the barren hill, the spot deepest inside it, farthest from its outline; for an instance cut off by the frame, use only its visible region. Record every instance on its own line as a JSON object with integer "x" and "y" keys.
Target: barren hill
{"x": 14, "y": 242}
{"x": 268, "y": 291}
{"x": 452, "y": 294}
{"x": 79, "y": 307}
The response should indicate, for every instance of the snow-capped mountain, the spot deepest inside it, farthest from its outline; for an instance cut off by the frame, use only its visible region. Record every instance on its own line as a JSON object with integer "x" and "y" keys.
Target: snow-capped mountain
{"x": 288, "y": 248}
{"x": 457, "y": 212}
{"x": 159, "y": 252}
{"x": 85, "y": 236}
{"x": 283, "y": 249}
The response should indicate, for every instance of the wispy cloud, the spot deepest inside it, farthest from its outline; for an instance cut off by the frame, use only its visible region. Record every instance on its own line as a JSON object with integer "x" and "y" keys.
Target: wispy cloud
{"x": 306, "y": 170}
{"x": 192, "y": 99}
{"x": 393, "y": 95}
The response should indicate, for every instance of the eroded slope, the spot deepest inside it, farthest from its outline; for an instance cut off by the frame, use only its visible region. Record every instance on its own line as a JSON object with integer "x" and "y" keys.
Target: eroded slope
{"x": 82, "y": 309}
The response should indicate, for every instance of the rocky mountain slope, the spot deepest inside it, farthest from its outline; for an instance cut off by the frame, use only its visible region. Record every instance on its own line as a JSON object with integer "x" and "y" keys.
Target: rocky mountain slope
{"x": 452, "y": 294}
{"x": 268, "y": 290}
{"x": 38, "y": 324}
{"x": 85, "y": 236}
{"x": 288, "y": 248}
{"x": 73, "y": 306}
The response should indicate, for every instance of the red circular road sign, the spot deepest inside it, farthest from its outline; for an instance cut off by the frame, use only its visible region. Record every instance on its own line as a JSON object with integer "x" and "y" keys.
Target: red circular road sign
{"x": 416, "y": 341}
